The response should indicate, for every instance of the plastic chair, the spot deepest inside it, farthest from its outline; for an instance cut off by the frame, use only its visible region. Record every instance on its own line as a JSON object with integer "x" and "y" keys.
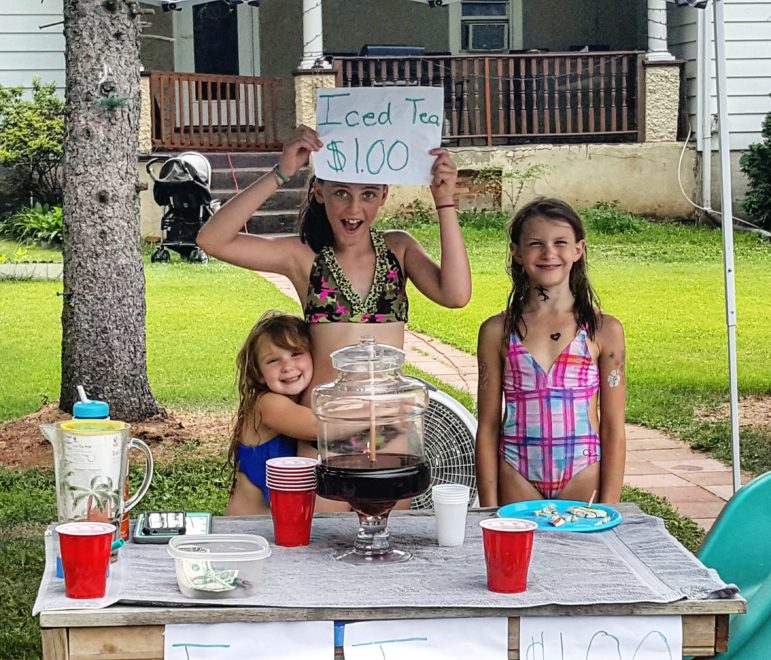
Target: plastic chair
{"x": 739, "y": 548}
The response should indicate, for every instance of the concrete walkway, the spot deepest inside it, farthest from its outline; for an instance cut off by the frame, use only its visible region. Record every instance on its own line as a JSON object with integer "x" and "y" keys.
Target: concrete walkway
{"x": 695, "y": 484}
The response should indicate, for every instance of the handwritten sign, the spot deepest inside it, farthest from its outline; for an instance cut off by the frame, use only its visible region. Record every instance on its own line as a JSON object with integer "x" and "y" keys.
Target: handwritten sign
{"x": 601, "y": 638}
{"x": 306, "y": 640}
{"x": 428, "y": 639}
{"x": 378, "y": 134}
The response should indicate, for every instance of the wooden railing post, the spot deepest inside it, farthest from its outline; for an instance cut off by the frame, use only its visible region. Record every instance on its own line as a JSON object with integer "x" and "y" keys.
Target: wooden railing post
{"x": 488, "y": 113}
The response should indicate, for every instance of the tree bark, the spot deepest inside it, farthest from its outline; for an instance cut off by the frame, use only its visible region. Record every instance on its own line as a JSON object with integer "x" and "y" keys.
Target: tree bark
{"x": 103, "y": 316}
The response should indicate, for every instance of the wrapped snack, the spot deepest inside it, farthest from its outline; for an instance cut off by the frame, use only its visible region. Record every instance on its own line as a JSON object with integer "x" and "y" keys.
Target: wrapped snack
{"x": 587, "y": 512}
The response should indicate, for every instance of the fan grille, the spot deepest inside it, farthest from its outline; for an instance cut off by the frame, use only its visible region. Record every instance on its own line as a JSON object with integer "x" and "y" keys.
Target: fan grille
{"x": 449, "y": 449}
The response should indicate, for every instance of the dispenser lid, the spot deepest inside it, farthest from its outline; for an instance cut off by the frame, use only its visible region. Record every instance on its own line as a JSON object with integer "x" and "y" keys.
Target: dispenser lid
{"x": 367, "y": 356}
{"x": 91, "y": 410}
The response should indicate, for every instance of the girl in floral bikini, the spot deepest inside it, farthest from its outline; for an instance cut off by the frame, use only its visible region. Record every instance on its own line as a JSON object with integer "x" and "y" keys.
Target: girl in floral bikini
{"x": 350, "y": 278}
{"x": 557, "y": 362}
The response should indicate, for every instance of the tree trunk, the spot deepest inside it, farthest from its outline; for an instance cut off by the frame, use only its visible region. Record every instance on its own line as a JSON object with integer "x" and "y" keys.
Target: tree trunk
{"x": 103, "y": 317}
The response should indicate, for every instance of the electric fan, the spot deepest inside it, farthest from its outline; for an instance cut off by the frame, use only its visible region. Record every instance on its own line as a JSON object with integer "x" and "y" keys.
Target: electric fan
{"x": 449, "y": 435}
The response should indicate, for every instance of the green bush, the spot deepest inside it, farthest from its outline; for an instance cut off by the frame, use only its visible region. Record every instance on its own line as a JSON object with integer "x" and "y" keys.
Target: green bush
{"x": 35, "y": 224}
{"x": 756, "y": 164}
{"x": 607, "y": 218}
{"x": 31, "y": 134}
{"x": 413, "y": 214}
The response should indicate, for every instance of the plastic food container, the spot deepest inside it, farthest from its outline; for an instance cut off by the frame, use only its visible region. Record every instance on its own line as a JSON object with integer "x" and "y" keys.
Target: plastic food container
{"x": 219, "y": 565}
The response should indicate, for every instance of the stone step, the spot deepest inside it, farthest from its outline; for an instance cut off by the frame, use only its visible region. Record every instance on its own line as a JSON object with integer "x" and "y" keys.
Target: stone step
{"x": 279, "y": 212}
{"x": 273, "y": 222}
{"x": 282, "y": 200}
{"x": 222, "y": 178}
{"x": 266, "y": 159}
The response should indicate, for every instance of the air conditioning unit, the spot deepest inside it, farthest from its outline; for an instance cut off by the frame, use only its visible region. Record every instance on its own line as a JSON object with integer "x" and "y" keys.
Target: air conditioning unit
{"x": 488, "y": 36}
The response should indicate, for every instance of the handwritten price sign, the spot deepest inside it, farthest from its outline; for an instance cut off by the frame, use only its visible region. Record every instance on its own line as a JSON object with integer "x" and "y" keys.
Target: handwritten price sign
{"x": 378, "y": 134}
{"x": 601, "y": 638}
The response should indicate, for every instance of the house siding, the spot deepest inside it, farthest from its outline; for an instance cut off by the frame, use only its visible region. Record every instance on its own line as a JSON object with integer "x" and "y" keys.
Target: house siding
{"x": 26, "y": 50}
{"x": 748, "y": 65}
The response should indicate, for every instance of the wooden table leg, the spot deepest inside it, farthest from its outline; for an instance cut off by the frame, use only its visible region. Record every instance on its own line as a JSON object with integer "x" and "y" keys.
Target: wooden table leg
{"x": 721, "y": 633}
{"x": 55, "y": 645}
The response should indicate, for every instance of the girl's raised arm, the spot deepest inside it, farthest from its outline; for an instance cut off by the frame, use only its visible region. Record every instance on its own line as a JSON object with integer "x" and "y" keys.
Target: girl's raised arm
{"x": 284, "y": 416}
{"x": 449, "y": 282}
{"x": 489, "y": 397}
{"x": 221, "y": 236}
{"x": 611, "y": 361}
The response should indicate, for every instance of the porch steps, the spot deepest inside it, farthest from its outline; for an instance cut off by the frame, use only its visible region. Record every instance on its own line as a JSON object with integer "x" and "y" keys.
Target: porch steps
{"x": 279, "y": 213}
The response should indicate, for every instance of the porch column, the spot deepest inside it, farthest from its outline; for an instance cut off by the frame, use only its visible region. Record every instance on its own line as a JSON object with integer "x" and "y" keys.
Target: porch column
{"x": 657, "y": 32}
{"x": 313, "y": 36}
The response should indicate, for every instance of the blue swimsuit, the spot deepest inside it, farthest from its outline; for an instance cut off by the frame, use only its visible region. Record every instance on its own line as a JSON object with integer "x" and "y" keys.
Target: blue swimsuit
{"x": 251, "y": 460}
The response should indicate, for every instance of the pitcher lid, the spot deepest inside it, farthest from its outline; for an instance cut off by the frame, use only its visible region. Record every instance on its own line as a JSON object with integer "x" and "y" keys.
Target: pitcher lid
{"x": 93, "y": 426}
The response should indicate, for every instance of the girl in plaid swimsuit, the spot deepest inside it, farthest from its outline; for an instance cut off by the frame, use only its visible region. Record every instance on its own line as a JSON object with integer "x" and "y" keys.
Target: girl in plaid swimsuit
{"x": 554, "y": 364}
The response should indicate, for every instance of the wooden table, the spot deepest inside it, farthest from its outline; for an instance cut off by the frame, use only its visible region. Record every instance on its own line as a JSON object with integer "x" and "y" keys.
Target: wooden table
{"x": 136, "y": 632}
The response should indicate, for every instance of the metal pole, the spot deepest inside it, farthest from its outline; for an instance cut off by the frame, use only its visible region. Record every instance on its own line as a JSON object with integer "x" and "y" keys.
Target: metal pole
{"x": 728, "y": 235}
{"x": 705, "y": 121}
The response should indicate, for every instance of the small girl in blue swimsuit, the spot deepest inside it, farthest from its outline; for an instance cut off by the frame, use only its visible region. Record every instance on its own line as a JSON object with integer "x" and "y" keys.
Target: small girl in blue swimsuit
{"x": 274, "y": 367}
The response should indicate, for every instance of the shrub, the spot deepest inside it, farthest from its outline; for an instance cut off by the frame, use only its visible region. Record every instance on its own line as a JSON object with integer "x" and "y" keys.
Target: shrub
{"x": 607, "y": 218}
{"x": 756, "y": 164}
{"x": 413, "y": 214}
{"x": 31, "y": 134}
{"x": 39, "y": 223}
{"x": 483, "y": 219}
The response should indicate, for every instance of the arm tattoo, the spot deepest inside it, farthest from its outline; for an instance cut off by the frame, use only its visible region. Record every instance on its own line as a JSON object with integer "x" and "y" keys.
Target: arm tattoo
{"x": 614, "y": 378}
{"x": 482, "y": 375}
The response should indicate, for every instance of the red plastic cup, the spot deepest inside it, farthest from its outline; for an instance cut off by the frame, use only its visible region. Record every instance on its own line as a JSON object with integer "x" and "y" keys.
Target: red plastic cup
{"x": 85, "y": 549}
{"x": 292, "y": 513}
{"x": 508, "y": 544}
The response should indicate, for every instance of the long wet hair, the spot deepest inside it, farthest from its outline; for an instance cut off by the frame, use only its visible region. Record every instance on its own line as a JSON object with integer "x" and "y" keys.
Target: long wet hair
{"x": 586, "y": 301}
{"x": 285, "y": 331}
{"x": 313, "y": 224}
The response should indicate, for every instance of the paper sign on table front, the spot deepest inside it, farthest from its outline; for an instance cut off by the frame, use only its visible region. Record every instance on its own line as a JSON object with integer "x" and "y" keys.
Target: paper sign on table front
{"x": 428, "y": 639}
{"x": 601, "y": 638}
{"x": 305, "y": 640}
{"x": 378, "y": 134}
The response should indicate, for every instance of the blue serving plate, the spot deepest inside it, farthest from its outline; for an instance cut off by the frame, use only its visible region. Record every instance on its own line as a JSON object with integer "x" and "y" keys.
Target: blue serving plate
{"x": 526, "y": 511}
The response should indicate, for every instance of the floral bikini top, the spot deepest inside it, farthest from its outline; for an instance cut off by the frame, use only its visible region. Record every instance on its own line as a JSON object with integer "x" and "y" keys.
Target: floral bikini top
{"x": 331, "y": 298}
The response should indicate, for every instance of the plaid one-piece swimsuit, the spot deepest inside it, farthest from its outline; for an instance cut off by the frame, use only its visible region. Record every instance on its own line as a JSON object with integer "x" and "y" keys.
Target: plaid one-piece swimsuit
{"x": 547, "y": 435}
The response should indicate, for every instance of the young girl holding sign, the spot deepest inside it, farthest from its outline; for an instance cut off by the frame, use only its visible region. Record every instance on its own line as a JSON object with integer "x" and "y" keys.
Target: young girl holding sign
{"x": 552, "y": 354}
{"x": 351, "y": 278}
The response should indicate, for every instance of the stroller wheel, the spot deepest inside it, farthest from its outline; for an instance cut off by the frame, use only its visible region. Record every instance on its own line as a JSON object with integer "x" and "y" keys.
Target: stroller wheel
{"x": 197, "y": 255}
{"x": 161, "y": 255}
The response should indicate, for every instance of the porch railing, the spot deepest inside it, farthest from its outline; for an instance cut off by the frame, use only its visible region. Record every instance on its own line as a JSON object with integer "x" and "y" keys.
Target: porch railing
{"x": 529, "y": 97}
{"x": 214, "y": 113}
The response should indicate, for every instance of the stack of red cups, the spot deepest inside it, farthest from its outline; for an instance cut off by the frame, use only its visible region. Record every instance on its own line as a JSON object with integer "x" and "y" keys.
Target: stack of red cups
{"x": 292, "y": 484}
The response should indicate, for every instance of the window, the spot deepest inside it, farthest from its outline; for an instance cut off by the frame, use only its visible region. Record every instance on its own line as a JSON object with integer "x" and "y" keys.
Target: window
{"x": 484, "y": 25}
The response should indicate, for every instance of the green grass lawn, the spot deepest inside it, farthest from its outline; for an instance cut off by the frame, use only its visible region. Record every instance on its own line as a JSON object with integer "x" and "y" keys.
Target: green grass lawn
{"x": 665, "y": 284}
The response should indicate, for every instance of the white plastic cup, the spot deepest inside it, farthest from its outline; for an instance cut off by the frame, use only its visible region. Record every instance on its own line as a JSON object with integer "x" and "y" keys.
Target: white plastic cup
{"x": 450, "y": 508}
{"x": 450, "y": 493}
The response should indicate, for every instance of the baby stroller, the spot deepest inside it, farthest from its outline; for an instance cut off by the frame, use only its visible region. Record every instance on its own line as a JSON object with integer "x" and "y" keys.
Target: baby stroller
{"x": 183, "y": 186}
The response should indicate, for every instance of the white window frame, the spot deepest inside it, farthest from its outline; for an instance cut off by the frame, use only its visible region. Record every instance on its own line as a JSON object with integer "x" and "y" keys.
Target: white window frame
{"x": 472, "y": 20}
{"x": 477, "y": 24}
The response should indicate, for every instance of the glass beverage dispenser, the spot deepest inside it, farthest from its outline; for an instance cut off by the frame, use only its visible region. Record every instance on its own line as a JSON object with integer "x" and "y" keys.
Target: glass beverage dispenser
{"x": 371, "y": 442}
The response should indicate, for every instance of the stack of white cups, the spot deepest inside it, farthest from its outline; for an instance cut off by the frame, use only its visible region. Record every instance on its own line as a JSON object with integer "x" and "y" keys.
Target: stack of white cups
{"x": 450, "y": 508}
